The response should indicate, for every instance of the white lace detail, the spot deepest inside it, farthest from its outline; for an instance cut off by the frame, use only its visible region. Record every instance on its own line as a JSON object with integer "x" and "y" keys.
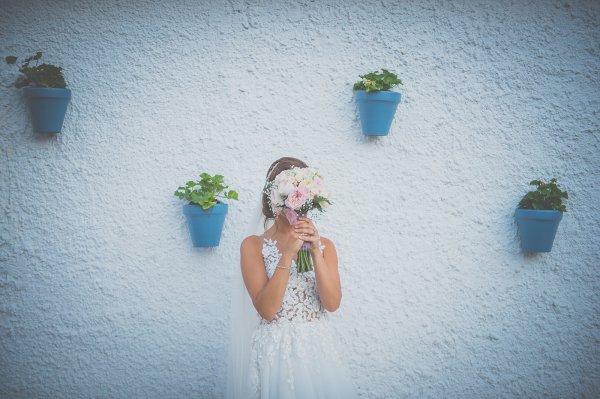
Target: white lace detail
{"x": 293, "y": 344}
{"x": 301, "y": 301}
{"x": 300, "y": 331}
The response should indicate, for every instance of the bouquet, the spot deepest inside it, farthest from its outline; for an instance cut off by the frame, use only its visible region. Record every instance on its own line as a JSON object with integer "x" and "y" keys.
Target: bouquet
{"x": 296, "y": 192}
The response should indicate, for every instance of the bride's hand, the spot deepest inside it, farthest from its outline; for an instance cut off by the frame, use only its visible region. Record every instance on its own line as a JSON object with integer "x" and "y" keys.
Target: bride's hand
{"x": 291, "y": 243}
{"x": 307, "y": 231}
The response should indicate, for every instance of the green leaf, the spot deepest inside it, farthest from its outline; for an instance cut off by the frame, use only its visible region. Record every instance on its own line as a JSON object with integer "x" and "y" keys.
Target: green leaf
{"x": 375, "y": 81}
{"x": 205, "y": 191}
{"x": 45, "y": 75}
{"x": 547, "y": 196}
{"x": 205, "y": 206}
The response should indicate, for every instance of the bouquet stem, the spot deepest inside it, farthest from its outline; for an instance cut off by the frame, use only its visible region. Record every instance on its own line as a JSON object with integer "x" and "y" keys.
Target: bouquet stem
{"x": 304, "y": 259}
{"x": 304, "y": 262}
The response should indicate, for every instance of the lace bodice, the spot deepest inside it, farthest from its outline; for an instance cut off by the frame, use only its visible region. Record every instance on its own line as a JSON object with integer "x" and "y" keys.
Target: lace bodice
{"x": 296, "y": 355}
{"x": 301, "y": 301}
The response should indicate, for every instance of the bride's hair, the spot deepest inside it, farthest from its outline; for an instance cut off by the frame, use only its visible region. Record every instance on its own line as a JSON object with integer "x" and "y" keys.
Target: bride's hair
{"x": 277, "y": 167}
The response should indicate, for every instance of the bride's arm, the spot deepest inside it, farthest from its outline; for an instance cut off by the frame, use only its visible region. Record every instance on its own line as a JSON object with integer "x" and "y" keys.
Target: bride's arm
{"x": 267, "y": 295}
{"x": 327, "y": 275}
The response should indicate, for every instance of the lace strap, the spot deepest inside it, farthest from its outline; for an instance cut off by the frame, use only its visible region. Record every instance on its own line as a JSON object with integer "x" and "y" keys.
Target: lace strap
{"x": 271, "y": 241}
{"x": 321, "y": 246}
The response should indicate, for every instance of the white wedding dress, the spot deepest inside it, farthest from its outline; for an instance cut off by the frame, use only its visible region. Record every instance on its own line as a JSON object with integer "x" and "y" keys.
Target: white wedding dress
{"x": 296, "y": 354}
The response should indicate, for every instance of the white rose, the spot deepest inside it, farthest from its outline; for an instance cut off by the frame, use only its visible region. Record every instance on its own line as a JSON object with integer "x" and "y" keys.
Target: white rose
{"x": 301, "y": 174}
{"x": 279, "y": 178}
{"x": 285, "y": 188}
{"x": 290, "y": 179}
{"x": 275, "y": 197}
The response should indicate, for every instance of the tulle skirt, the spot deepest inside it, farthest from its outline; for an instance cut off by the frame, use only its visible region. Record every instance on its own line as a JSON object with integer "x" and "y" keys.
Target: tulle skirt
{"x": 297, "y": 360}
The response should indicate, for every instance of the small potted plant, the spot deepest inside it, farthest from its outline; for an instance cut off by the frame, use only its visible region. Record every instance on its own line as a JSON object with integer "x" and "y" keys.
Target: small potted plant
{"x": 538, "y": 215}
{"x": 205, "y": 213}
{"x": 376, "y": 102}
{"x": 46, "y": 93}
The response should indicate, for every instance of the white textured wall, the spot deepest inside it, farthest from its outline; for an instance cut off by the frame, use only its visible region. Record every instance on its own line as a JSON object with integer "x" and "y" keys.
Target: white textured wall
{"x": 101, "y": 293}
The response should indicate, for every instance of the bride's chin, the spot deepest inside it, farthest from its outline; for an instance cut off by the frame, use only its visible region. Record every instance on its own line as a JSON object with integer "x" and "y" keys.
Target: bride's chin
{"x": 281, "y": 218}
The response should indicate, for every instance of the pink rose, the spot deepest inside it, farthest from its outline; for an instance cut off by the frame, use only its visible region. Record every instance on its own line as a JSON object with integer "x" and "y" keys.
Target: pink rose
{"x": 297, "y": 198}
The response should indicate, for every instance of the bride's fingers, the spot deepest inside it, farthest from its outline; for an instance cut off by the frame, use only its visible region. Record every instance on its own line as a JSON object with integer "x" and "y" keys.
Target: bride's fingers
{"x": 308, "y": 238}
{"x": 306, "y": 229}
{"x": 307, "y": 222}
{"x": 302, "y": 225}
{"x": 308, "y": 232}
{"x": 299, "y": 237}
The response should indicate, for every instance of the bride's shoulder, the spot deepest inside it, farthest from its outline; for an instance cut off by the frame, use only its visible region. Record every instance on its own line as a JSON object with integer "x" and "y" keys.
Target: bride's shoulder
{"x": 328, "y": 248}
{"x": 251, "y": 241}
{"x": 326, "y": 241}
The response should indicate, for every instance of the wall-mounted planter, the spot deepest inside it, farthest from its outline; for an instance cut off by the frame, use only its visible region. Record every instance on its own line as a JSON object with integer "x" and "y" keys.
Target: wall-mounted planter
{"x": 537, "y": 228}
{"x": 205, "y": 225}
{"x": 377, "y": 110}
{"x": 47, "y": 107}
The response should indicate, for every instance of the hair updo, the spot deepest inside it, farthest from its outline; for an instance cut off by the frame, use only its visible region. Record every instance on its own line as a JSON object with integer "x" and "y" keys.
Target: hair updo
{"x": 277, "y": 167}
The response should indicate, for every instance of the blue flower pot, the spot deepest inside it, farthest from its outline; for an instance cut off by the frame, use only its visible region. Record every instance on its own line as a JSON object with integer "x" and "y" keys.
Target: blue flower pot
{"x": 47, "y": 107}
{"x": 377, "y": 110}
{"x": 205, "y": 225}
{"x": 537, "y": 228}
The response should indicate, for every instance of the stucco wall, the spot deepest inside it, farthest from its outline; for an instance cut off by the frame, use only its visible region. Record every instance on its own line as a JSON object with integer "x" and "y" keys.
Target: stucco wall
{"x": 101, "y": 293}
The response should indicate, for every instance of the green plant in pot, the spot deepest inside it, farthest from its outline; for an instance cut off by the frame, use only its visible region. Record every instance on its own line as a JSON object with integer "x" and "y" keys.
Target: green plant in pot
{"x": 376, "y": 101}
{"x": 205, "y": 212}
{"x": 538, "y": 214}
{"x": 45, "y": 90}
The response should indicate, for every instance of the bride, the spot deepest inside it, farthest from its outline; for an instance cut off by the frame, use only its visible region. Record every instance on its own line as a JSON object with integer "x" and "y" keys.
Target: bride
{"x": 282, "y": 345}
